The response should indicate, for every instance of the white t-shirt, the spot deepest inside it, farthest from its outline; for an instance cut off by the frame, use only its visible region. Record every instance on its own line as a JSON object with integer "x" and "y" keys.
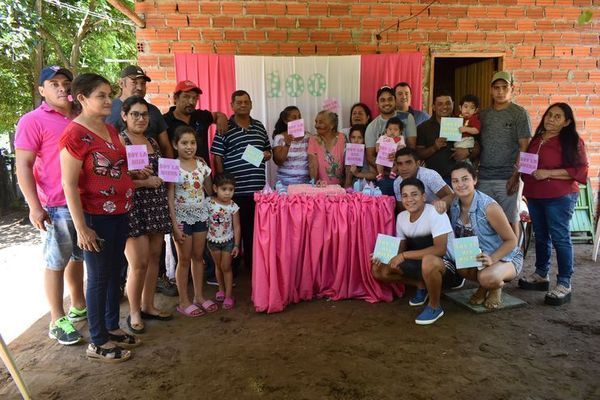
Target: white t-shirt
{"x": 429, "y": 223}
{"x": 432, "y": 181}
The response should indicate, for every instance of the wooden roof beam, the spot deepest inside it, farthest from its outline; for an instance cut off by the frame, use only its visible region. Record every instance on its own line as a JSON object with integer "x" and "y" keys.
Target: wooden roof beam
{"x": 130, "y": 14}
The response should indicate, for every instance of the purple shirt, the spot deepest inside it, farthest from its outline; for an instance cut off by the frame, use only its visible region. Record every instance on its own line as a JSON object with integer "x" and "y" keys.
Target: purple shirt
{"x": 39, "y": 131}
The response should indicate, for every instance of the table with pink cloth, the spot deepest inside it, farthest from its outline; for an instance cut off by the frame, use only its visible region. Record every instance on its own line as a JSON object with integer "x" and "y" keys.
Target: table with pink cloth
{"x": 308, "y": 247}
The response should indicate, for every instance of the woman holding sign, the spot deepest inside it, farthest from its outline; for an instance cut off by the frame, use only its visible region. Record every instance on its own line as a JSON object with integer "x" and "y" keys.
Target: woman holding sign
{"x": 552, "y": 191}
{"x": 474, "y": 214}
{"x": 149, "y": 219}
{"x": 326, "y": 151}
{"x": 289, "y": 148}
{"x": 99, "y": 192}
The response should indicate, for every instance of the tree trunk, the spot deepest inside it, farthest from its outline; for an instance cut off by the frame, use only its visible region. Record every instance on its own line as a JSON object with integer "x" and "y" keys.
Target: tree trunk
{"x": 38, "y": 61}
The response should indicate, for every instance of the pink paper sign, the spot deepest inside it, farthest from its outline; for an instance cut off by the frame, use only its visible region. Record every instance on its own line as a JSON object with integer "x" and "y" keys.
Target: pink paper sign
{"x": 331, "y": 105}
{"x": 355, "y": 154}
{"x": 528, "y": 162}
{"x": 385, "y": 149}
{"x": 137, "y": 156}
{"x": 296, "y": 128}
{"x": 168, "y": 169}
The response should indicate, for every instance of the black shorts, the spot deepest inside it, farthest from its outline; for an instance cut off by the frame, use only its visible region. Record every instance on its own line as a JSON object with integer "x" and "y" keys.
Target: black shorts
{"x": 412, "y": 269}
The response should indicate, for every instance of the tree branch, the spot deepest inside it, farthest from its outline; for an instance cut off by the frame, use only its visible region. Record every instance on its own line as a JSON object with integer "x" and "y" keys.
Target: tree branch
{"x": 56, "y": 45}
{"x": 84, "y": 28}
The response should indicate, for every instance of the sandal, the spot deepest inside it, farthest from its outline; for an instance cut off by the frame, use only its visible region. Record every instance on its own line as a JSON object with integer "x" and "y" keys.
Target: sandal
{"x": 558, "y": 296}
{"x": 161, "y": 316}
{"x": 534, "y": 282}
{"x": 135, "y": 328}
{"x": 124, "y": 340}
{"x": 220, "y": 296}
{"x": 109, "y": 355}
{"x": 191, "y": 311}
{"x": 228, "y": 303}
{"x": 209, "y": 306}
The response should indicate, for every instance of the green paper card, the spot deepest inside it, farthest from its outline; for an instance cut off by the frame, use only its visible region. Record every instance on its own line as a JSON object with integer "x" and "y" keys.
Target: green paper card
{"x": 386, "y": 247}
{"x": 253, "y": 155}
{"x": 449, "y": 129}
{"x": 465, "y": 252}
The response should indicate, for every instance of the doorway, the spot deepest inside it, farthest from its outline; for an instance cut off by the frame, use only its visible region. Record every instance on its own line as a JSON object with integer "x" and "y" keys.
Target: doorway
{"x": 464, "y": 73}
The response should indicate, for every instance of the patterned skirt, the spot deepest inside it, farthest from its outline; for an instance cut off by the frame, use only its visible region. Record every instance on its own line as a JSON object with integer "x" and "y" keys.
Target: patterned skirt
{"x": 150, "y": 213}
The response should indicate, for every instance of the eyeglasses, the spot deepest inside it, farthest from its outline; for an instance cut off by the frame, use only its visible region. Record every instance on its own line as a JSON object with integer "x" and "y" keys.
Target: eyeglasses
{"x": 139, "y": 115}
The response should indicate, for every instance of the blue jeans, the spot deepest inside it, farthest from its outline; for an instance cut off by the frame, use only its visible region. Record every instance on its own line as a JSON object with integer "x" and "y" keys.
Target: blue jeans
{"x": 103, "y": 274}
{"x": 60, "y": 239}
{"x": 551, "y": 219}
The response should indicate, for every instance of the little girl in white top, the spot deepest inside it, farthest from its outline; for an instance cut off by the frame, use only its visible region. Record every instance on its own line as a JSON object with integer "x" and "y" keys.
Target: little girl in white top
{"x": 224, "y": 234}
{"x": 189, "y": 228}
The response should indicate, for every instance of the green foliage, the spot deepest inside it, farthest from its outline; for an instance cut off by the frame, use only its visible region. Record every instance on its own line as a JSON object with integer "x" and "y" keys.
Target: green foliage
{"x": 585, "y": 17}
{"x": 57, "y": 29}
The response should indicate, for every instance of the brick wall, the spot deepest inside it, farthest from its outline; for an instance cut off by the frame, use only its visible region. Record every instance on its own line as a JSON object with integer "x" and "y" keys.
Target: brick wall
{"x": 552, "y": 57}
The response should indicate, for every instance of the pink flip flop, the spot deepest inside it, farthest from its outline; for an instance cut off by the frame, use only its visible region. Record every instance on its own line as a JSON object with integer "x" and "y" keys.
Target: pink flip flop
{"x": 220, "y": 296}
{"x": 209, "y": 306}
{"x": 191, "y": 311}
{"x": 228, "y": 303}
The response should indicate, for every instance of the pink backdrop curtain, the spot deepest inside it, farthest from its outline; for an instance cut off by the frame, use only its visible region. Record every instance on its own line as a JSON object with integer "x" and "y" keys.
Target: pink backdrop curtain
{"x": 378, "y": 70}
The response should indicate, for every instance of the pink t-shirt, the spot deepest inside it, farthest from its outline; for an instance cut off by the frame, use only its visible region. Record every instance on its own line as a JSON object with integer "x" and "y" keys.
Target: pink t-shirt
{"x": 331, "y": 163}
{"x": 39, "y": 131}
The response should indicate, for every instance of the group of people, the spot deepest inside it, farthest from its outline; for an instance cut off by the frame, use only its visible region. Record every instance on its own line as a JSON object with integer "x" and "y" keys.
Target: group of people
{"x": 76, "y": 140}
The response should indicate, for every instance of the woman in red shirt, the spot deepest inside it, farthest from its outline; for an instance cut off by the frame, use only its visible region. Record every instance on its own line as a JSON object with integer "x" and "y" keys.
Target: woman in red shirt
{"x": 99, "y": 192}
{"x": 552, "y": 191}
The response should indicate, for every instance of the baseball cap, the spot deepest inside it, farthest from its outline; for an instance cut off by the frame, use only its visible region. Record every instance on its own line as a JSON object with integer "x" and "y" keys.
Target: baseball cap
{"x": 502, "y": 75}
{"x": 51, "y": 71}
{"x": 135, "y": 72}
{"x": 186, "y": 86}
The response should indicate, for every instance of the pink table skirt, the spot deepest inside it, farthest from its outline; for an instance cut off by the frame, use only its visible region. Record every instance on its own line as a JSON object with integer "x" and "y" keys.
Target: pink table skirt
{"x": 308, "y": 247}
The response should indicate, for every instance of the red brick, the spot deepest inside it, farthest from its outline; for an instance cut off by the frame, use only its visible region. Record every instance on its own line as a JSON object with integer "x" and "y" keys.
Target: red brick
{"x": 475, "y": 37}
{"x": 437, "y": 37}
{"x": 283, "y": 22}
{"x": 222, "y": 22}
{"x": 202, "y": 48}
{"x": 316, "y": 9}
{"x": 476, "y": 12}
{"x": 515, "y": 12}
{"x": 388, "y": 48}
{"x": 234, "y": 35}
{"x": 341, "y": 36}
{"x": 530, "y": 63}
{"x": 427, "y": 24}
{"x": 531, "y": 38}
{"x": 496, "y": 12}
{"x": 403, "y": 10}
{"x": 339, "y": 9}
{"x": 563, "y": 51}
{"x": 360, "y": 9}
{"x": 447, "y": 25}
{"x": 276, "y": 9}
{"x": 210, "y": 8}
{"x": 551, "y": 37}
{"x": 145, "y": 34}
{"x": 247, "y": 48}
{"x": 226, "y": 48}
{"x": 243, "y": 22}
{"x": 487, "y": 25}
{"x": 199, "y": 21}
{"x": 535, "y": 12}
{"x": 289, "y": 49}
{"x": 319, "y": 36}
{"x": 587, "y": 63}
{"x": 346, "y": 49}
{"x": 268, "y": 49}
{"x": 177, "y": 20}
{"x": 232, "y": 8}
{"x": 166, "y": 34}
{"x": 256, "y": 8}
{"x": 506, "y": 25}
{"x": 563, "y": 13}
{"x": 367, "y": 48}
{"x": 144, "y": 7}
{"x": 166, "y": 7}
{"x": 159, "y": 47}
{"x": 190, "y": 35}
{"x": 264, "y": 22}
{"x": 380, "y": 10}
{"x": 525, "y": 25}
{"x": 529, "y": 88}
{"x": 308, "y": 22}
{"x": 298, "y": 36}
{"x": 417, "y": 36}
{"x": 467, "y": 25}
{"x": 181, "y": 47}
{"x": 371, "y": 23}
{"x": 307, "y": 49}
{"x": 155, "y": 21}
{"x": 515, "y": 38}
{"x": 212, "y": 35}
{"x": 523, "y": 76}
{"x": 396, "y": 37}
{"x": 542, "y": 75}
{"x": 297, "y": 9}
{"x": 166, "y": 61}
{"x": 254, "y": 35}
{"x": 457, "y": 37}
{"x": 330, "y": 23}
{"x": 188, "y": 7}
{"x": 277, "y": 36}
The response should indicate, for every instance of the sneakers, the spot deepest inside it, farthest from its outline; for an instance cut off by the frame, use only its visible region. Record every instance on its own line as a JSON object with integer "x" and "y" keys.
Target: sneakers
{"x": 166, "y": 287}
{"x": 429, "y": 316}
{"x": 76, "y": 315}
{"x": 212, "y": 282}
{"x": 458, "y": 283}
{"x": 534, "y": 282}
{"x": 558, "y": 296}
{"x": 64, "y": 331}
{"x": 419, "y": 298}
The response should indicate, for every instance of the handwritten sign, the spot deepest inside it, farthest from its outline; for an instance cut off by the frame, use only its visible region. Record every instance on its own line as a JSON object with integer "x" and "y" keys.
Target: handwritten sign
{"x": 449, "y": 128}
{"x": 383, "y": 156}
{"x": 386, "y": 247}
{"x": 253, "y": 155}
{"x": 331, "y": 105}
{"x": 355, "y": 154}
{"x": 465, "y": 252}
{"x": 168, "y": 169}
{"x": 296, "y": 128}
{"x": 528, "y": 162}
{"x": 137, "y": 156}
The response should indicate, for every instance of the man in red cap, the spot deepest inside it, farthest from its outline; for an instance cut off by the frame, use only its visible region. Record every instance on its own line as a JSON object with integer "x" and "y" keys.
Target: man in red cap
{"x": 185, "y": 113}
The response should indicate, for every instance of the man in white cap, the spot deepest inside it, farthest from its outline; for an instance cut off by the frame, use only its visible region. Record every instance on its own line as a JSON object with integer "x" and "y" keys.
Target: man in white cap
{"x": 505, "y": 131}
{"x": 133, "y": 83}
{"x": 38, "y": 172}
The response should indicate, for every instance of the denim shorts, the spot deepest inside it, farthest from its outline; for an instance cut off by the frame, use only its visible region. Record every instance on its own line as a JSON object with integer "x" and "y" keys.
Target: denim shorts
{"x": 199, "y": 226}
{"x": 60, "y": 239}
{"x": 227, "y": 246}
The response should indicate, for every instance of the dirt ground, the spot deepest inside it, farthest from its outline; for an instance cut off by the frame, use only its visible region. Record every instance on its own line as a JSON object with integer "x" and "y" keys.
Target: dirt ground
{"x": 348, "y": 350}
